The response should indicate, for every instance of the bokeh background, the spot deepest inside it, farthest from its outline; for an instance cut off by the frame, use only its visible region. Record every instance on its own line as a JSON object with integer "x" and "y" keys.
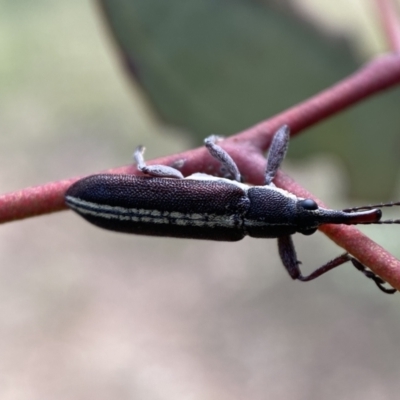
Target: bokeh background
{"x": 86, "y": 313}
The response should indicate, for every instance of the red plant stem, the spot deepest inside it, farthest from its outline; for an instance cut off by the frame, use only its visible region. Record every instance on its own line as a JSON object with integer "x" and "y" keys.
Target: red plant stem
{"x": 378, "y": 75}
{"x": 390, "y": 23}
{"x": 34, "y": 201}
{"x": 247, "y": 148}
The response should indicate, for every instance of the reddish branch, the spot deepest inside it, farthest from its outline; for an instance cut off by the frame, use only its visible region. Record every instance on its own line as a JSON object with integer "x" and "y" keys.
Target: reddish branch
{"x": 390, "y": 23}
{"x": 247, "y": 149}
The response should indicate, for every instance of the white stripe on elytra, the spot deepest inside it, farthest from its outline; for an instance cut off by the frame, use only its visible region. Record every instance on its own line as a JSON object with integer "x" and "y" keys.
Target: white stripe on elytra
{"x": 151, "y": 216}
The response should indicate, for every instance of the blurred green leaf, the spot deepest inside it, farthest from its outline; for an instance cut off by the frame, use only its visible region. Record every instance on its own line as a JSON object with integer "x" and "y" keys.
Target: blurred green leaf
{"x": 218, "y": 66}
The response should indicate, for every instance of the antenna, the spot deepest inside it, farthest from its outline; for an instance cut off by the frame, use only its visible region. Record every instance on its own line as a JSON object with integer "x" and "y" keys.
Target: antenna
{"x": 381, "y": 205}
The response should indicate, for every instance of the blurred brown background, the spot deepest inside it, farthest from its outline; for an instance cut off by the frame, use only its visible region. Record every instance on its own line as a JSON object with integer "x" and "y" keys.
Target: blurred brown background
{"x": 86, "y": 313}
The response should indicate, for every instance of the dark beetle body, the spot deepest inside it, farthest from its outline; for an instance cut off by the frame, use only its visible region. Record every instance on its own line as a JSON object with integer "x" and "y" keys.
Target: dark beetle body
{"x": 161, "y": 207}
{"x": 206, "y": 208}
{"x": 164, "y": 203}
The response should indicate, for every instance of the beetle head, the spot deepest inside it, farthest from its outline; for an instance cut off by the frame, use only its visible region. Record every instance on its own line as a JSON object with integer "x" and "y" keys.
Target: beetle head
{"x": 310, "y": 216}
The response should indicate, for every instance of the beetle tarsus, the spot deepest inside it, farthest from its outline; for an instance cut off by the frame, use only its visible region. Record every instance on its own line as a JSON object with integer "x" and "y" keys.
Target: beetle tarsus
{"x": 159, "y": 171}
{"x": 223, "y": 157}
{"x": 371, "y": 275}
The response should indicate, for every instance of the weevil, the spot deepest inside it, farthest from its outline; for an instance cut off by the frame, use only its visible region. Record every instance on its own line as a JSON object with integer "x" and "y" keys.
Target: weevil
{"x": 201, "y": 206}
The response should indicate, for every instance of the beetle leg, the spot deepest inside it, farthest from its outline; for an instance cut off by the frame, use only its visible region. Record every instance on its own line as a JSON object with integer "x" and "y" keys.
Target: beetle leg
{"x": 222, "y": 156}
{"x": 160, "y": 171}
{"x": 277, "y": 152}
{"x": 371, "y": 275}
{"x": 291, "y": 263}
{"x": 289, "y": 260}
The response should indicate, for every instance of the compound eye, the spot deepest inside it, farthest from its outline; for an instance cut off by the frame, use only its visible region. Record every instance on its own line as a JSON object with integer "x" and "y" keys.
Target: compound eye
{"x": 309, "y": 204}
{"x": 308, "y": 232}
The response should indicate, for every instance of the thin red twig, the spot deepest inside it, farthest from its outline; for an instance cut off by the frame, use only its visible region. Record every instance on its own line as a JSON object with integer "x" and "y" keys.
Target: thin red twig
{"x": 390, "y": 23}
{"x": 376, "y": 76}
{"x": 247, "y": 149}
